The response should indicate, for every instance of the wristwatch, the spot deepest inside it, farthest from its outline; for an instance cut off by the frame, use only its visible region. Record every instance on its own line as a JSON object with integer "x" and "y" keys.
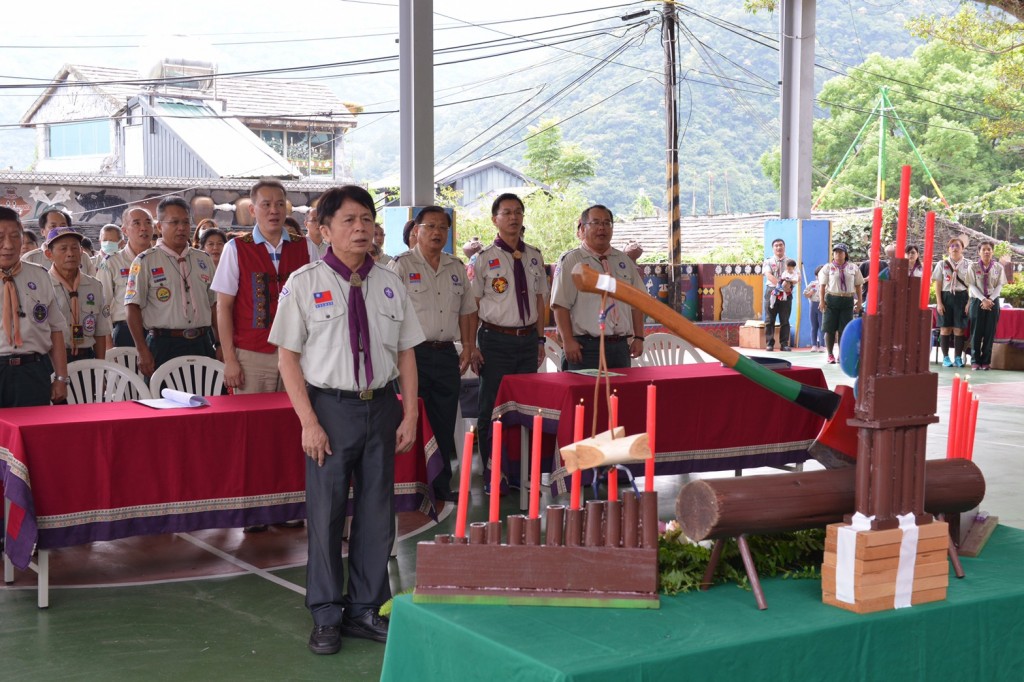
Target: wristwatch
{"x": 63, "y": 380}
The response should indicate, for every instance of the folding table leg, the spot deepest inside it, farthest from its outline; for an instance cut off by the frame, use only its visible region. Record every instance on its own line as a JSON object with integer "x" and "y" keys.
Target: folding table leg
{"x": 43, "y": 569}
{"x": 8, "y": 566}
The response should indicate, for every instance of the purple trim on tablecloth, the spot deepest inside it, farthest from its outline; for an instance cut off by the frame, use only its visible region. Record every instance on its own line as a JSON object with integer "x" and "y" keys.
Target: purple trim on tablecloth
{"x": 19, "y": 549}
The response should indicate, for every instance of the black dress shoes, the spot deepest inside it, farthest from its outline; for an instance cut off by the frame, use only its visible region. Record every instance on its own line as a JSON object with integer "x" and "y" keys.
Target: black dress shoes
{"x": 446, "y": 496}
{"x": 325, "y": 639}
{"x": 368, "y": 625}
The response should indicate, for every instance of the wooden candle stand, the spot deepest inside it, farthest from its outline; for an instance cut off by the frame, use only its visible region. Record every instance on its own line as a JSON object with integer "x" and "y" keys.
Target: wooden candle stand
{"x": 897, "y": 399}
{"x": 603, "y": 556}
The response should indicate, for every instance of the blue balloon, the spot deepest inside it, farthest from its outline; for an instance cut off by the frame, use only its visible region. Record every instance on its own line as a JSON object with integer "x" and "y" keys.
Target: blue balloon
{"x": 849, "y": 348}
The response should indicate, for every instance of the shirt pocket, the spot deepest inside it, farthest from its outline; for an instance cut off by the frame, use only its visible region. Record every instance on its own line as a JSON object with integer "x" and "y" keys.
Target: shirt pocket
{"x": 389, "y": 321}
{"x": 455, "y": 298}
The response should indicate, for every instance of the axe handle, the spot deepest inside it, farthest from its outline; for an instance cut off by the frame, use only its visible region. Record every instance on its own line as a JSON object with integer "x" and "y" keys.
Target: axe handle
{"x": 821, "y": 401}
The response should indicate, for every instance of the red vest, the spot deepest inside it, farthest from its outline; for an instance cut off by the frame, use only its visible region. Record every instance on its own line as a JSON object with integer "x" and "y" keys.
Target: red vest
{"x": 258, "y": 289}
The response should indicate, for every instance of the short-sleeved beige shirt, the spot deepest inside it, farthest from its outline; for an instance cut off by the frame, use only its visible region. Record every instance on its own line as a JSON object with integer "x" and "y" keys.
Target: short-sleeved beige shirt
{"x": 38, "y": 302}
{"x": 156, "y": 285}
{"x": 439, "y": 297}
{"x": 312, "y": 320}
{"x": 493, "y": 283}
{"x": 585, "y": 308}
{"x": 978, "y": 284}
{"x": 830, "y": 279}
{"x": 954, "y": 276}
{"x": 93, "y": 312}
{"x": 113, "y": 277}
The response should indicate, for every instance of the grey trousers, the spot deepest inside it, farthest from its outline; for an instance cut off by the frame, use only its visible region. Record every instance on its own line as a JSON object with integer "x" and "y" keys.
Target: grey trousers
{"x": 362, "y": 439}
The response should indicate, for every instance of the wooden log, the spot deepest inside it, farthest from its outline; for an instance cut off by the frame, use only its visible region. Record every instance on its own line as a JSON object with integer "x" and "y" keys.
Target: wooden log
{"x": 616, "y": 451}
{"x": 569, "y": 455}
{"x": 728, "y": 507}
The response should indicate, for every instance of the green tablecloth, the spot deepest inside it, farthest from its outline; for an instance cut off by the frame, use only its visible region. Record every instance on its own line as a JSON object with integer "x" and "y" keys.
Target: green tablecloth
{"x": 976, "y": 634}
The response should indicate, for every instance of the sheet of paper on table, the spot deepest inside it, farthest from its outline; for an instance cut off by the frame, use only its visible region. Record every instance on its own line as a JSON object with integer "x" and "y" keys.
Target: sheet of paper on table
{"x": 595, "y": 372}
{"x": 174, "y": 400}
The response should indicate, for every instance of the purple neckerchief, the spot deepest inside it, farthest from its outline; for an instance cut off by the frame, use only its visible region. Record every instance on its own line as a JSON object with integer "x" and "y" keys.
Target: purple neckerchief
{"x": 842, "y": 274}
{"x": 985, "y": 271}
{"x": 518, "y": 274}
{"x": 358, "y": 324}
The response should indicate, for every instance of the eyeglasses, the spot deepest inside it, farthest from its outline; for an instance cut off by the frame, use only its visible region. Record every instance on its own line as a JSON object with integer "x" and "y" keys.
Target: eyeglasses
{"x": 430, "y": 226}
{"x": 599, "y": 223}
{"x": 505, "y": 213}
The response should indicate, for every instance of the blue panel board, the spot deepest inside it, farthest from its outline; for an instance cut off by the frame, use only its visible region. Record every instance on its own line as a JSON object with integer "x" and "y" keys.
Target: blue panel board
{"x": 395, "y": 218}
{"x": 808, "y": 243}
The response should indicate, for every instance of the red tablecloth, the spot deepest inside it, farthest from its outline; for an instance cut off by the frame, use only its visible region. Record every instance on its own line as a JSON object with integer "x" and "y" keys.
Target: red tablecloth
{"x": 1011, "y": 326}
{"x": 80, "y": 473}
{"x": 709, "y": 417}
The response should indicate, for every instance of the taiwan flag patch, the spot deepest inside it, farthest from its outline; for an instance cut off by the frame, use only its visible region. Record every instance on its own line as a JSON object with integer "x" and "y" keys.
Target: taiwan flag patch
{"x": 414, "y": 277}
{"x": 158, "y": 274}
{"x": 322, "y": 299}
{"x": 494, "y": 263}
{"x": 124, "y": 272}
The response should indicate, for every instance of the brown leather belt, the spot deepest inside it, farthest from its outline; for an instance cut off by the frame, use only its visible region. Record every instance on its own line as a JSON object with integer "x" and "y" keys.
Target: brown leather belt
{"x": 15, "y": 360}
{"x": 364, "y": 395}
{"x": 511, "y": 331}
{"x": 438, "y": 345}
{"x": 190, "y": 334}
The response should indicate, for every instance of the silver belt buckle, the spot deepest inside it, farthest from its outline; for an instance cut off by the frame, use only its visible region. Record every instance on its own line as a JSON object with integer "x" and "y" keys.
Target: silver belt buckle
{"x": 366, "y": 394}
{"x": 13, "y": 362}
{"x": 191, "y": 334}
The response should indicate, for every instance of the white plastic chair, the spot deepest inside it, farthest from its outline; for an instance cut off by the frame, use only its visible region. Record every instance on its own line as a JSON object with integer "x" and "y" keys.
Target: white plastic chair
{"x": 189, "y": 373}
{"x": 126, "y": 356}
{"x": 101, "y": 381}
{"x": 666, "y": 349}
{"x": 552, "y": 357}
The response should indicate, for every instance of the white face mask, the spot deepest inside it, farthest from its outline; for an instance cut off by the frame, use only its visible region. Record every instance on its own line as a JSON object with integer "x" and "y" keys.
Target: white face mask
{"x": 109, "y": 248}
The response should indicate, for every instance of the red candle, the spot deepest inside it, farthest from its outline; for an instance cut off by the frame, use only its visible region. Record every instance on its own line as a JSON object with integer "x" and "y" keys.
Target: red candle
{"x": 963, "y": 411}
{"x": 926, "y": 257}
{"x": 577, "y": 476}
{"x": 972, "y": 423}
{"x": 901, "y": 225}
{"x": 464, "y": 474}
{"x": 613, "y": 473}
{"x": 954, "y": 397}
{"x": 495, "y": 471}
{"x": 652, "y": 401}
{"x": 876, "y": 251}
{"x": 538, "y": 428}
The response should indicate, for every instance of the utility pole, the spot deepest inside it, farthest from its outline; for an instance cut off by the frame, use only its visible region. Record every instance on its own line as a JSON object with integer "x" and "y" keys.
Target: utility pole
{"x": 668, "y": 40}
{"x": 711, "y": 200}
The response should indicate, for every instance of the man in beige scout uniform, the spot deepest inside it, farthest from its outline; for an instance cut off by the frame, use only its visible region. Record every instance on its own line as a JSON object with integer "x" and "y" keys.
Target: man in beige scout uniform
{"x": 169, "y": 294}
{"x": 31, "y": 337}
{"x": 346, "y": 329}
{"x": 79, "y": 297}
{"x": 510, "y": 284}
{"x": 437, "y": 284}
{"x": 578, "y": 315}
{"x": 113, "y": 273}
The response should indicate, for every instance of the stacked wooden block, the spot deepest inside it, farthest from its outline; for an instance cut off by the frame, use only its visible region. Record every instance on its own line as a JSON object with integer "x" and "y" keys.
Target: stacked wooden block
{"x": 876, "y": 563}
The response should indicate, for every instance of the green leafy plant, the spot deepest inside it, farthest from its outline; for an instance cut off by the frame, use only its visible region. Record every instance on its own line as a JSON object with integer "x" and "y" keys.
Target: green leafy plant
{"x": 681, "y": 564}
{"x": 1014, "y": 294}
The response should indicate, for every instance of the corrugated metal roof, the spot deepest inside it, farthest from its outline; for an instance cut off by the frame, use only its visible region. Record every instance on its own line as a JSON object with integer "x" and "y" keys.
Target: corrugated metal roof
{"x": 249, "y": 98}
{"x": 224, "y": 144}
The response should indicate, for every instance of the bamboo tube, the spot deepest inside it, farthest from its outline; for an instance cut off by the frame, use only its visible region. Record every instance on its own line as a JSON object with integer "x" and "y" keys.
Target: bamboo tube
{"x": 630, "y": 521}
{"x": 573, "y": 527}
{"x": 556, "y": 517}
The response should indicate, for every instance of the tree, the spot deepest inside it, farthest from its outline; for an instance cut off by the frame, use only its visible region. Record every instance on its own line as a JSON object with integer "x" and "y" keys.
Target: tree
{"x": 642, "y": 207}
{"x": 944, "y": 115}
{"x": 554, "y": 162}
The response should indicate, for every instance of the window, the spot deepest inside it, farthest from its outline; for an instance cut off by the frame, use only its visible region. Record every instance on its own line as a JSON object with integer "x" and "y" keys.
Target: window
{"x": 311, "y": 153}
{"x": 79, "y": 139}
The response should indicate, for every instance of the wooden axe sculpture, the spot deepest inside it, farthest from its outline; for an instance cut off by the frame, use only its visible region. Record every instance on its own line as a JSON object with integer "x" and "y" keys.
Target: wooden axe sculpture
{"x": 820, "y": 401}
